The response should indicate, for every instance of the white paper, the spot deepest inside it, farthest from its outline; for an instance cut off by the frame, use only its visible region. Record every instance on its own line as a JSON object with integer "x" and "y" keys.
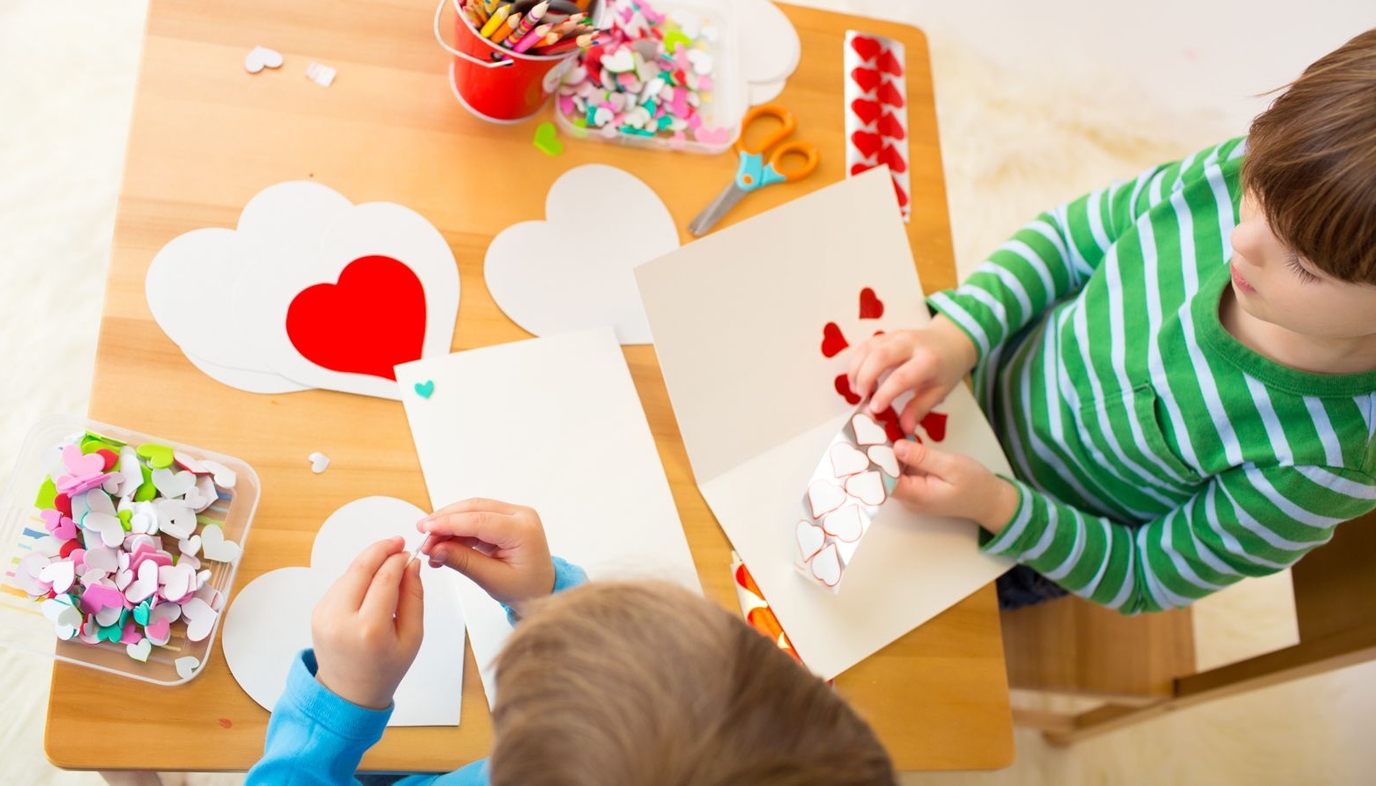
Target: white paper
{"x": 569, "y": 273}
{"x": 269, "y": 620}
{"x": 554, "y": 424}
{"x": 769, "y": 45}
{"x": 737, "y": 319}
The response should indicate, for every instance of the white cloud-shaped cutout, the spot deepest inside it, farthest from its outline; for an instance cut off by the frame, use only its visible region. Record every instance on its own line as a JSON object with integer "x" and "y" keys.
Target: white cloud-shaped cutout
{"x": 573, "y": 270}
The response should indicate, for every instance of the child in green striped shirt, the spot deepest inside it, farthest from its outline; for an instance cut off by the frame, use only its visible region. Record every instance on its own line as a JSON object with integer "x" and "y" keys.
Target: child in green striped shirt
{"x": 1181, "y": 367}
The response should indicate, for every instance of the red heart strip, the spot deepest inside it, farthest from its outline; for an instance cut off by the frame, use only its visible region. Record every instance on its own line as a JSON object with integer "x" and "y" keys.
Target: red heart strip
{"x": 894, "y": 159}
{"x": 866, "y": 47}
{"x": 856, "y": 169}
{"x": 868, "y": 111}
{"x": 889, "y": 64}
{"x": 867, "y": 143}
{"x": 871, "y": 307}
{"x": 842, "y": 384}
{"x": 900, "y": 193}
{"x": 888, "y": 94}
{"x": 867, "y": 78}
{"x": 833, "y": 341}
{"x": 890, "y": 127}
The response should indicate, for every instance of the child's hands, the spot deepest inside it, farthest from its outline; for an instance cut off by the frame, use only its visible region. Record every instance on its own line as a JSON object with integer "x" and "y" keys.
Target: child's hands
{"x": 950, "y": 484}
{"x": 368, "y": 627}
{"x": 501, "y": 547}
{"x": 929, "y": 361}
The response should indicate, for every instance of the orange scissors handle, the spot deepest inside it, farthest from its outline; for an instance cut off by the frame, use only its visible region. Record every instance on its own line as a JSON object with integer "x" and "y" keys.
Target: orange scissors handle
{"x": 788, "y": 124}
{"x": 806, "y": 150}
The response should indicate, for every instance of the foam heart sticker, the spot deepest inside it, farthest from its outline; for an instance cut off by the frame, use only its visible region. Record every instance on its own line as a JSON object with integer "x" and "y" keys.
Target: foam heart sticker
{"x": 368, "y": 322}
{"x": 868, "y": 111}
{"x": 811, "y": 539}
{"x": 145, "y": 585}
{"x": 108, "y": 527}
{"x": 884, "y": 458}
{"x": 842, "y": 385}
{"x": 871, "y": 307}
{"x": 846, "y": 524}
{"x": 260, "y": 57}
{"x": 889, "y": 94}
{"x": 846, "y": 460}
{"x": 867, "y": 432}
{"x": 187, "y": 666}
{"x": 826, "y": 566}
{"x": 833, "y": 340}
{"x": 891, "y": 127}
{"x": 868, "y": 79}
{"x": 867, "y": 143}
{"x": 173, "y": 484}
{"x": 868, "y": 487}
{"x": 59, "y": 574}
{"x": 824, "y": 497}
{"x": 934, "y": 423}
{"x": 866, "y": 47}
{"x": 140, "y": 651}
{"x": 214, "y": 546}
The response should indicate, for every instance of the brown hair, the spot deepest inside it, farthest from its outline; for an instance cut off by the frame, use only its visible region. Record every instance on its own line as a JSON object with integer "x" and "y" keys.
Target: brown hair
{"x": 1311, "y": 162}
{"x": 630, "y": 684}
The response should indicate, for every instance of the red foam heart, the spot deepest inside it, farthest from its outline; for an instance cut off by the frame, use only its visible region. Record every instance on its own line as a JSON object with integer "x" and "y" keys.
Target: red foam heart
{"x": 370, "y": 321}
{"x": 832, "y": 340}
{"x": 63, "y": 504}
{"x": 858, "y": 168}
{"x": 867, "y": 143}
{"x": 888, "y": 94}
{"x": 890, "y": 127}
{"x": 842, "y": 383}
{"x": 891, "y": 156}
{"x": 900, "y": 193}
{"x": 934, "y": 423}
{"x": 867, "y": 78}
{"x": 110, "y": 459}
{"x": 868, "y": 111}
{"x": 871, "y": 307}
{"x": 892, "y": 429}
{"x": 889, "y": 64}
{"x": 866, "y": 47}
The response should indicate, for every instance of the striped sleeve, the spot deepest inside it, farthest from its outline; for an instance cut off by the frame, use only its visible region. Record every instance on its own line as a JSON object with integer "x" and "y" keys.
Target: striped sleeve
{"x": 1248, "y": 521}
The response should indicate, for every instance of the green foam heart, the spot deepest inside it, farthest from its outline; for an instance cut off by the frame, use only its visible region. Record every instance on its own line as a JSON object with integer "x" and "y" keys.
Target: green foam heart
{"x": 547, "y": 140}
{"x": 146, "y": 489}
{"x": 47, "y": 495}
{"x": 125, "y": 517}
{"x": 425, "y": 389}
{"x": 159, "y": 456}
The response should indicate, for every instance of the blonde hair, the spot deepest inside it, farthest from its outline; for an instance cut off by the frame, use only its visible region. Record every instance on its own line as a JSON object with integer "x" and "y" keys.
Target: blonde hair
{"x": 628, "y": 684}
{"x": 1311, "y": 162}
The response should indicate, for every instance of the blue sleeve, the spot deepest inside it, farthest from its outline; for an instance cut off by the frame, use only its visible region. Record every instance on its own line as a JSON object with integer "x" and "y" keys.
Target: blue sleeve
{"x": 315, "y": 737}
{"x": 566, "y": 576}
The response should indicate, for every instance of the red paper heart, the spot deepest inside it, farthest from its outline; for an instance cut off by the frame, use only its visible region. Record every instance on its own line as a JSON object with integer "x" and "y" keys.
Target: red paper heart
{"x": 871, "y": 307}
{"x": 892, "y": 429}
{"x": 889, "y": 64}
{"x": 900, "y": 193}
{"x": 893, "y": 158}
{"x": 888, "y": 94}
{"x": 868, "y": 111}
{"x": 867, "y": 143}
{"x": 858, "y": 168}
{"x": 373, "y": 319}
{"x": 867, "y": 78}
{"x": 842, "y": 384}
{"x": 832, "y": 340}
{"x": 934, "y": 423}
{"x": 866, "y": 47}
{"x": 890, "y": 127}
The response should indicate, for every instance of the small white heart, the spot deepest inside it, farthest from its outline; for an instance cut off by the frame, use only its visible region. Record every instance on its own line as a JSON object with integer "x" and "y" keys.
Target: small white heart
{"x": 175, "y": 518}
{"x": 225, "y": 477}
{"x": 177, "y": 581}
{"x": 191, "y": 545}
{"x": 65, "y": 617}
{"x": 165, "y": 611}
{"x": 173, "y": 484}
{"x": 846, "y": 524}
{"x": 107, "y": 525}
{"x": 200, "y": 619}
{"x": 260, "y": 57}
{"x": 826, "y": 566}
{"x": 109, "y": 616}
{"x": 214, "y": 546}
{"x": 700, "y": 60}
{"x": 123, "y": 579}
{"x": 867, "y": 432}
{"x": 319, "y": 462}
{"x": 145, "y": 585}
{"x": 188, "y": 463}
{"x": 811, "y": 539}
{"x": 868, "y": 487}
{"x": 186, "y": 667}
{"x": 140, "y": 651}
{"x": 59, "y": 574}
{"x": 824, "y": 497}
{"x": 847, "y": 460}
{"x": 620, "y": 61}
{"x": 102, "y": 559}
{"x": 884, "y": 458}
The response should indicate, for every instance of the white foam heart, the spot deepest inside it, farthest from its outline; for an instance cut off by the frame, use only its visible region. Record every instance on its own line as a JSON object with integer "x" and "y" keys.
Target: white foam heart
{"x": 139, "y": 651}
{"x": 123, "y": 579}
{"x": 224, "y": 477}
{"x": 319, "y": 462}
{"x": 106, "y": 525}
{"x": 187, "y": 666}
{"x": 214, "y": 546}
{"x": 178, "y": 581}
{"x": 191, "y": 545}
{"x": 200, "y": 619}
{"x": 203, "y": 495}
{"x": 109, "y": 616}
{"x": 826, "y": 566}
{"x": 165, "y": 611}
{"x": 824, "y": 497}
{"x": 102, "y": 559}
{"x": 868, "y": 487}
{"x": 260, "y": 57}
{"x": 847, "y": 460}
{"x": 59, "y": 574}
{"x": 175, "y": 518}
{"x": 146, "y": 584}
{"x": 846, "y": 524}
{"x": 867, "y": 432}
{"x": 560, "y": 275}
{"x": 884, "y": 458}
{"x": 65, "y": 617}
{"x": 173, "y": 484}
{"x": 811, "y": 539}
{"x": 188, "y": 463}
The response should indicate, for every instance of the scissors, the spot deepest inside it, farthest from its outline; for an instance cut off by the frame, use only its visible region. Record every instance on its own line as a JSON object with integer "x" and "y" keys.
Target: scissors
{"x": 755, "y": 171}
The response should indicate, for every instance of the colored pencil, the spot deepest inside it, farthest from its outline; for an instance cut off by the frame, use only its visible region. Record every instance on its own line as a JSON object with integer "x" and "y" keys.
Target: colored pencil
{"x": 495, "y": 21}
{"x": 528, "y": 22}
{"x": 568, "y": 45}
{"x": 504, "y": 30}
{"x": 529, "y": 39}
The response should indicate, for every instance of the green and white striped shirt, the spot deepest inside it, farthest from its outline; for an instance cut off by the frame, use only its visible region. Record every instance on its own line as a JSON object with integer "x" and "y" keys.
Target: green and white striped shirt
{"x": 1158, "y": 459}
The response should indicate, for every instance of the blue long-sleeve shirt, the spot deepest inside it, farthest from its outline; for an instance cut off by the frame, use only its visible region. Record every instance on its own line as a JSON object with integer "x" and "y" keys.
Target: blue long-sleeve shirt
{"x": 316, "y": 738}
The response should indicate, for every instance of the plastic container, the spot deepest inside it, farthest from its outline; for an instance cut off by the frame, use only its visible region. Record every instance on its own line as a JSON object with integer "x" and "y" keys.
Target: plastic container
{"x": 727, "y": 102}
{"x": 22, "y": 624}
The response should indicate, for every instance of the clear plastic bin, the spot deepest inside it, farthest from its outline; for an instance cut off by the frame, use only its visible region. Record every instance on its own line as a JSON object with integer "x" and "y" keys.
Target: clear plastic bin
{"x": 728, "y": 102}
{"x": 22, "y": 624}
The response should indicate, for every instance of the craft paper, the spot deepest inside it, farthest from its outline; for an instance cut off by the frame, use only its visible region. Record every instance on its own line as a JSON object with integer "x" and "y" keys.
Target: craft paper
{"x": 565, "y": 273}
{"x": 270, "y": 619}
{"x": 554, "y": 424}
{"x": 308, "y": 291}
{"x": 753, "y": 390}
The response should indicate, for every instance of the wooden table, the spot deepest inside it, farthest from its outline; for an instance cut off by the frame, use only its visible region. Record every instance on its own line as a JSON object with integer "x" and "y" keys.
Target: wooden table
{"x": 207, "y": 136}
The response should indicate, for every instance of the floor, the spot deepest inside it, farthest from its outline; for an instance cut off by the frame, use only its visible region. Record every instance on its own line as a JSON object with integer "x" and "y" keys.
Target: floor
{"x": 1037, "y": 103}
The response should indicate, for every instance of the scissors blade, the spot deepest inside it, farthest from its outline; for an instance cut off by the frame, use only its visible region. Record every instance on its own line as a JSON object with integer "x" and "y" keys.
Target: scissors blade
{"x": 719, "y": 207}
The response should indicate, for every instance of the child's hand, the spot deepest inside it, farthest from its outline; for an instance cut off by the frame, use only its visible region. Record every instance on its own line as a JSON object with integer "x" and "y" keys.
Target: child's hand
{"x": 368, "y": 627}
{"x": 929, "y": 361}
{"x": 500, "y": 547}
{"x": 950, "y": 484}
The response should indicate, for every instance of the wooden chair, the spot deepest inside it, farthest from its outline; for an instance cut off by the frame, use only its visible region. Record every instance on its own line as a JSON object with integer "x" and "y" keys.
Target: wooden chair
{"x": 1144, "y": 666}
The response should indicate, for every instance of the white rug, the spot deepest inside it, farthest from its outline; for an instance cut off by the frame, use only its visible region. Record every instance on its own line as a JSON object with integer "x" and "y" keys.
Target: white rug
{"x": 1015, "y": 140}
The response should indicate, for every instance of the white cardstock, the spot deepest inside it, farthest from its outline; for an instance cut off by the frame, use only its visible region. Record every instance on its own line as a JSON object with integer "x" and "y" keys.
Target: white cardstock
{"x": 270, "y": 619}
{"x": 556, "y": 425}
{"x": 738, "y": 319}
{"x": 770, "y": 48}
{"x": 564, "y": 274}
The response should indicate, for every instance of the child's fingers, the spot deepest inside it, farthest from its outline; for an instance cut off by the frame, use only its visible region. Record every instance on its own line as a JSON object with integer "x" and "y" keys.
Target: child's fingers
{"x": 431, "y": 541}
{"x": 411, "y": 605}
{"x": 484, "y": 525}
{"x": 352, "y": 587}
{"x": 882, "y": 358}
{"x": 381, "y": 600}
{"x": 475, "y": 505}
{"x": 905, "y": 377}
{"x": 485, "y": 571}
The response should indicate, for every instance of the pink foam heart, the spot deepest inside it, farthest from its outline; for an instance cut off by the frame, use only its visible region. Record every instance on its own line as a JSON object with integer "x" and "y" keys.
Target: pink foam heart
{"x": 884, "y": 458}
{"x": 158, "y": 631}
{"x": 846, "y": 460}
{"x": 713, "y": 136}
{"x": 824, "y": 497}
{"x": 846, "y": 524}
{"x": 868, "y": 487}
{"x": 98, "y": 597}
{"x": 826, "y": 566}
{"x": 811, "y": 539}
{"x": 867, "y": 432}
{"x": 80, "y": 464}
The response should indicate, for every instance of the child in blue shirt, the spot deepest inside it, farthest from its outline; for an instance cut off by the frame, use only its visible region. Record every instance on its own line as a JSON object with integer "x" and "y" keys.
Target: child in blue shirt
{"x": 607, "y": 684}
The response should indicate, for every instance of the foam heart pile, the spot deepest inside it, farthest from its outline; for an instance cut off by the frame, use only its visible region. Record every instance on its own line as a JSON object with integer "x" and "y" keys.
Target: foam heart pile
{"x": 310, "y": 291}
{"x": 117, "y": 562}
{"x": 876, "y": 111}
{"x": 853, "y": 479}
